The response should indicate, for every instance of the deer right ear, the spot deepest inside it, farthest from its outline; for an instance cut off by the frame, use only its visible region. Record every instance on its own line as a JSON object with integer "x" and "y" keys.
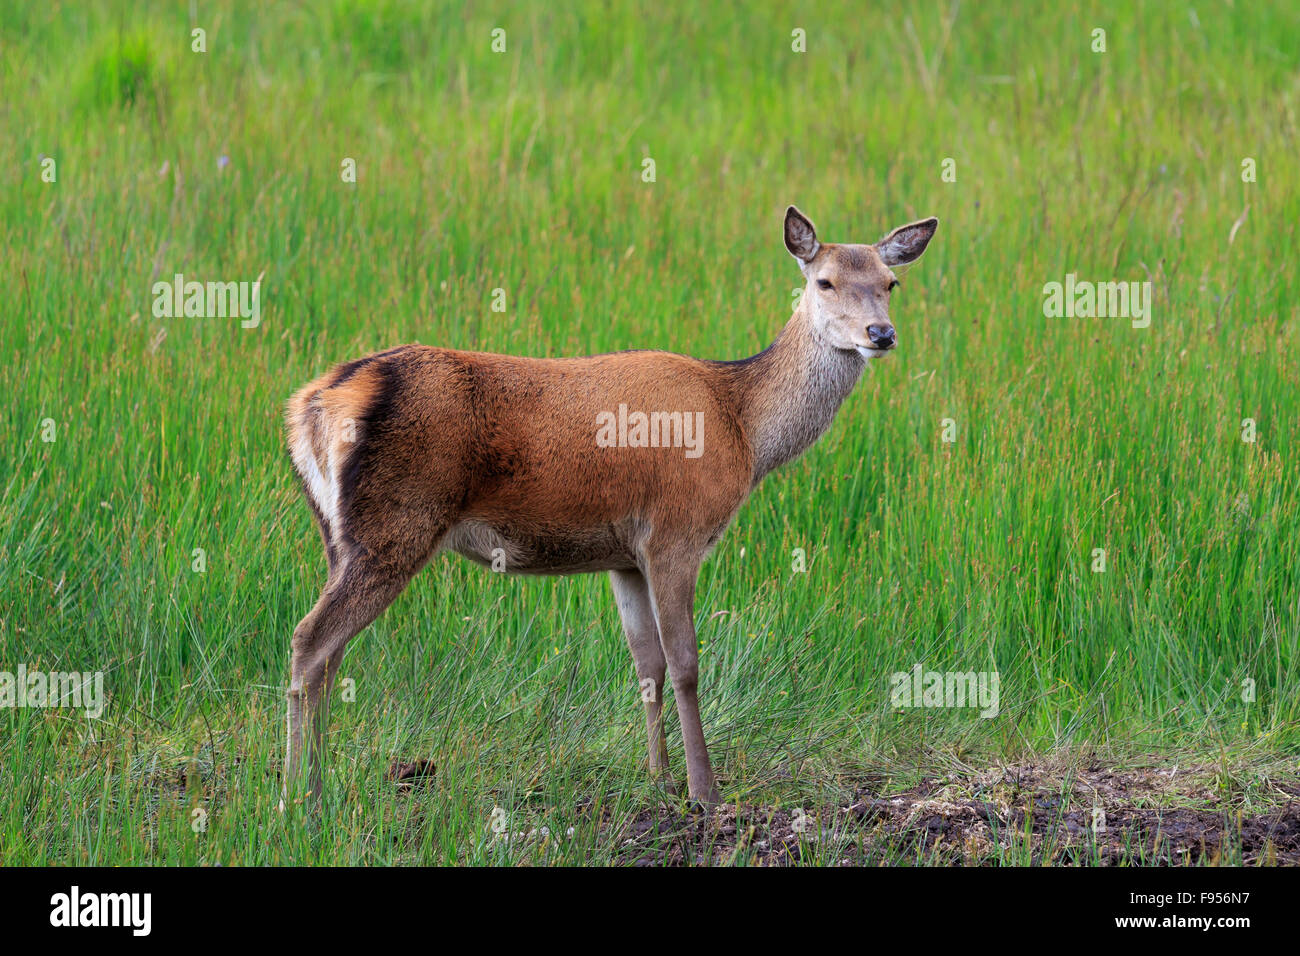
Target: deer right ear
{"x": 800, "y": 236}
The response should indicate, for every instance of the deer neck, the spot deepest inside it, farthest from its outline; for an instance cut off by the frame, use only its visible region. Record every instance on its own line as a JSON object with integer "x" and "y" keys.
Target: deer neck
{"x": 789, "y": 393}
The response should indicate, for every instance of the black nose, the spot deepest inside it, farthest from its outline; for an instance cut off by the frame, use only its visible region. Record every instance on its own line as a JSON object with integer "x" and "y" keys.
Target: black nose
{"x": 881, "y": 336}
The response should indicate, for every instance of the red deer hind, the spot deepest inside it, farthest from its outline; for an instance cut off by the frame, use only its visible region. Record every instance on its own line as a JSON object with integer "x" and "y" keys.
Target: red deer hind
{"x": 632, "y": 463}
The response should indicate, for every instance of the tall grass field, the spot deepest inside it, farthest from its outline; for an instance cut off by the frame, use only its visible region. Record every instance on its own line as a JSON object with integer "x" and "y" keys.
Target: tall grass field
{"x": 1099, "y": 512}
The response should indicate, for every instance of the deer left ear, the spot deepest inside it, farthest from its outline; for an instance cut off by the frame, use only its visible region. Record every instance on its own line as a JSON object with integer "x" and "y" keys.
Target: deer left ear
{"x": 906, "y": 243}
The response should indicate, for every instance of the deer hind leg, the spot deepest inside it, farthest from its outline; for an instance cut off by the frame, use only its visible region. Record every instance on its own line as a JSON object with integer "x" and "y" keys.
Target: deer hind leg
{"x": 360, "y": 590}
{"x": 632, "y": 596}
{"x": 394, "y": 540}
{"x": 672, "y": 590}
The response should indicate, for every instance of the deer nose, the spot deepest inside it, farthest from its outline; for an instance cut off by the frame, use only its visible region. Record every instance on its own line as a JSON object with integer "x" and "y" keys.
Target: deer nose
{"x": 881, "y": 336}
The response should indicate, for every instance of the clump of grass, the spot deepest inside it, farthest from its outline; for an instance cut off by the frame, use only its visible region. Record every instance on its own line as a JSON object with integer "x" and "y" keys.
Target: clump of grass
{"x": 124, "y": 73}
{"x": 373, "y": 35}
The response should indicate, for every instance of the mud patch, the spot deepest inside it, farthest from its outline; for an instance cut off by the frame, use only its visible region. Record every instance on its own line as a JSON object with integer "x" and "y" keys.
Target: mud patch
{"x": 1021, "y": 815}
{"x": 406, "y": 775}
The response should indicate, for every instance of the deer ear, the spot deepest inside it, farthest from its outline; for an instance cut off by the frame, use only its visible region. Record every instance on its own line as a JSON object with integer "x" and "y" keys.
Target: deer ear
{"x": 906, "y": 243}
{"x": 800, "y": 236}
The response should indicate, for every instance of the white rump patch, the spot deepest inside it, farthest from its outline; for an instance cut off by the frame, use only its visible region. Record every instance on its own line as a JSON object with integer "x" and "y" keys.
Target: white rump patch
{"x": 322, "y": 488}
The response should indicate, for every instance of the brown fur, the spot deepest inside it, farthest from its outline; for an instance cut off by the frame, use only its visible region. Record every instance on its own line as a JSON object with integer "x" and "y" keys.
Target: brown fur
{"x": 496, "y": 457}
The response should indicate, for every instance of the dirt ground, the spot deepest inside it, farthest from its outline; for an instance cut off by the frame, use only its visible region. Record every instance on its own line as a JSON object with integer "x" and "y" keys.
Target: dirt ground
{"x": 1147, "y": 813}
{"x": 1029, "y": 815}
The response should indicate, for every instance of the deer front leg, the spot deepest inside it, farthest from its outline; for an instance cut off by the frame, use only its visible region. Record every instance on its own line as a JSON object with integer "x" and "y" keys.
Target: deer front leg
{"x": 632, "y": 596}
{"x": 673, "y": 593}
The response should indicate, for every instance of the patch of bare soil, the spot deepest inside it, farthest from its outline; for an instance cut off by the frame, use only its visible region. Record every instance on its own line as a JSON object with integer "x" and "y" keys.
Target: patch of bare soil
{"x": 1026, "y": 815}
{"x": 408, "y": 774}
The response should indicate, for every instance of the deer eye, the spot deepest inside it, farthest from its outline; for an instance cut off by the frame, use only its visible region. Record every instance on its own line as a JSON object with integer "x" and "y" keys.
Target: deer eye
{"x": 824, "y": 284}
{"x": 892, "y": 284}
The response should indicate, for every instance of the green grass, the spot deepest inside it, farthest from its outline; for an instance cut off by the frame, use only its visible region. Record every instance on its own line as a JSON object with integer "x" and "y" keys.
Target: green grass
{"x": 522, "y": 171}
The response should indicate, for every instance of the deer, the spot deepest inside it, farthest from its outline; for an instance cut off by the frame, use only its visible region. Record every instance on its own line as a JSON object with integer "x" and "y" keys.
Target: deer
{"x": 417, "y": 450}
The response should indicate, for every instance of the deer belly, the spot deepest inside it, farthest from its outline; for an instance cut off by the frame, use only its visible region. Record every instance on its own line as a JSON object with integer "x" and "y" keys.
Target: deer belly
{"x": 517, "y": 550}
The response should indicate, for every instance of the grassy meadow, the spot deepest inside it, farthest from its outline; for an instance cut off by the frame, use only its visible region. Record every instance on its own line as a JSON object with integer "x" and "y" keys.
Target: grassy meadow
{"x": 151, "y": 527}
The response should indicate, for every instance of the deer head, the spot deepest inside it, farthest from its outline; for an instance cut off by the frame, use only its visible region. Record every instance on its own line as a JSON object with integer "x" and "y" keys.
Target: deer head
{"x": 849, "y": 285}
